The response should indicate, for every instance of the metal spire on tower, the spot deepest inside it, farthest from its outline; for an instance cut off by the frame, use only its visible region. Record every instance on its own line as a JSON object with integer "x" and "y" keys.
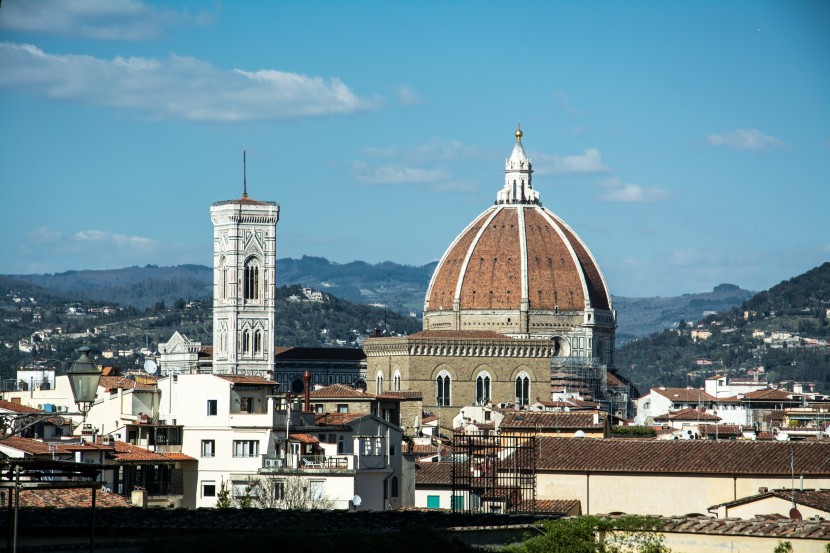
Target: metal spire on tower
{"x": 244, "y": 175}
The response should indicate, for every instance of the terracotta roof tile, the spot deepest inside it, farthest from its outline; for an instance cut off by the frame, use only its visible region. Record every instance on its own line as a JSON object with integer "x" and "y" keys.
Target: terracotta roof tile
{"x": 405, "y": 394}
{"x": 337, "y": 419}
{"x": 116, "y": 382}
{"x": 688, "y": 414}
{"x": 544, "y": 420}
{"x": 176, "y": 456}
{"x": 125, "y": 452}
{"x": 17, "y": 407}
{"x": 28, "y": 445}
{"x": 548, "y": 506}
{"x": 304, "y": 438}
{"x": 68, "y": 497}
{"x": 339, "y": 391}
{"x": 817, "y": 499}
{"x": 433, "y": 473}
{"x": 768, "y": 526}
{"x": 684, "y": 395}
{"x": 675, "y": 456}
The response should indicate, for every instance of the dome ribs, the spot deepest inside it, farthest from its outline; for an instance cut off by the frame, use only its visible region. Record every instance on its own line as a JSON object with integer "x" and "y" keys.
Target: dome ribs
{"x": 551, "y": 269}
{"x": 442, "y": 289}
{"x": 595, "y": 283}
{"x": 494, "y": 283}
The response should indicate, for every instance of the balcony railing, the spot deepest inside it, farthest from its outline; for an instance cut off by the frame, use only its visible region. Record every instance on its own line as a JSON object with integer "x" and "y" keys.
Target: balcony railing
{"x": 308, "y": 462}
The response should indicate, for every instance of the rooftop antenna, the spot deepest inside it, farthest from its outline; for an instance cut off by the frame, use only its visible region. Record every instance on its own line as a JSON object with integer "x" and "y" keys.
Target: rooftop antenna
{"x": 244, "y": 175}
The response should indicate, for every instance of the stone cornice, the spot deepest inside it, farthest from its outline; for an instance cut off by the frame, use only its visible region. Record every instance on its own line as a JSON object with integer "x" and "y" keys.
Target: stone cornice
{"x": 458, "y": 347}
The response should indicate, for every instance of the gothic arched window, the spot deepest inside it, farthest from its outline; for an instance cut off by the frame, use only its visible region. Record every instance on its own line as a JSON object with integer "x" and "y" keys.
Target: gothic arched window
{"x": 442, "y": 389}
{"x": 380, "y": 383}
{"x": 482, "y": 388}
{"x": 223, "y": 280}
{"x": 251, "y": 280}
{"x": 396, "y": 381}
{"x": 246, "y": 341}
{"x": 522, "y": 389}
{"x": 258, "y": 341}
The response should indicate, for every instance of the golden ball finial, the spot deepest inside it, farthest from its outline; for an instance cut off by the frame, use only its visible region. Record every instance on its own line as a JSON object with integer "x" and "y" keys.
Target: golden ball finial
{"x": 518, "y": 132}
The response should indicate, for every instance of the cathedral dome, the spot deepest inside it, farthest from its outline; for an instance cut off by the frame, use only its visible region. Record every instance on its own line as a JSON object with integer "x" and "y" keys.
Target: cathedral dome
{"x": 517, "y": 269}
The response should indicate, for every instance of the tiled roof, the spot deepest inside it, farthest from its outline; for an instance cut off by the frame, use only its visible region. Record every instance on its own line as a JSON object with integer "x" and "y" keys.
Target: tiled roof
{"x": 68, "y": 497}
{"x": 548, "y": 506}
{"x": 17, "y": 407}
{"x": 429, "y": 418}
{"x": 678, "y": 456}
{"x": 337, "y": 419}
{"x": 817, "y": 499}
{"x": 545, "y": 419}
{"x": 339, "y": 391}
{"x": 244, "y": 201}
{"x": 770, "y": 395}
{"x": 304, "y": 438}
{"x": 116, "y": 382}
{"x": 768, "y": 526}
{"x": 125, "y": 452}
{"x": 433, "y": 473}
{"x": 722, "y": 430}
{"x": 247, "y": 380}
{"x": 176, "y": 456}
{"x": 27, "y": 445}
{"x": 688, "y": 414}
{"x": 684, "y": 395}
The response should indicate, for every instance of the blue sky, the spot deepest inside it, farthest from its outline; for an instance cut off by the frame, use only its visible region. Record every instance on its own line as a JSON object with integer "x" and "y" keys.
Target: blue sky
{"x": 687, "y": 143}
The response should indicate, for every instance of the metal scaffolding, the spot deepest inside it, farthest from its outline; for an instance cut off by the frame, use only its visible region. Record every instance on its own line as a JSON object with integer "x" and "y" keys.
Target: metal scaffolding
{"x": 494, "y": 473}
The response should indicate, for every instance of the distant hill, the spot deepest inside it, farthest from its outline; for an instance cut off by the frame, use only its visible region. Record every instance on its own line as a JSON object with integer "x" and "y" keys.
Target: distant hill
{"x": 639, "y": 317}
{"x": 780, "y": 334}
{"x": 401, "y": 288}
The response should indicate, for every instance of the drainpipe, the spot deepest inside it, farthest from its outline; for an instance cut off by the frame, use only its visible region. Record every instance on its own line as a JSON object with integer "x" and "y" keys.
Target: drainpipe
{"x": 587, "y": 492}
{"x": 307, "y": 382}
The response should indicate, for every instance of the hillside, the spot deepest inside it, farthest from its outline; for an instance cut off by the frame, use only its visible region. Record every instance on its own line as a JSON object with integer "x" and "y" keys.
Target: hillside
{"x": 780, "y": 334}
{"x": 45, "y": 329}
{"x": 400, "y": 287}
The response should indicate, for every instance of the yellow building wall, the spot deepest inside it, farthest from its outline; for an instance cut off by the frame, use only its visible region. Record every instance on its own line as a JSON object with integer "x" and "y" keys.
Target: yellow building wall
{"x": 655, "y": 494}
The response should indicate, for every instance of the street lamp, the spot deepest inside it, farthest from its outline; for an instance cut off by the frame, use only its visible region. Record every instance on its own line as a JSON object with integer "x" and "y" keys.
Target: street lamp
{"x": 83, "y": 379}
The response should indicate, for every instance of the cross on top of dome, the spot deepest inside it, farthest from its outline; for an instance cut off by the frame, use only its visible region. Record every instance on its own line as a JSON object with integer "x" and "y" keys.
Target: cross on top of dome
{"x": 518, "y": 173}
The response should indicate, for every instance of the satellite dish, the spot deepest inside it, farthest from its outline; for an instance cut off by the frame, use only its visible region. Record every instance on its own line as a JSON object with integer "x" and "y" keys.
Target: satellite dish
{"x": 795, "y": 514}
{"x": 150, "y": 366}
{"x": 579, "y": 434}
{"x": 356, "y": 501}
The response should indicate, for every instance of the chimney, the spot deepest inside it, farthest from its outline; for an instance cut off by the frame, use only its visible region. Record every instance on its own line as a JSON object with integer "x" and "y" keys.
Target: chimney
{"x": 307, "y": 381}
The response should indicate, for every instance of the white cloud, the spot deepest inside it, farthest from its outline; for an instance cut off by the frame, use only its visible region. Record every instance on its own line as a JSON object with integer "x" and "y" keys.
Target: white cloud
{"x": 397, "y": 174}
{"x": 590, "y": 161}
{"x": 618, "y": 191}
{"x": 751, "y": 140}
{"x": 408, "y": 96}
{"x": 96, "y": 19}
{"x": 44, "y": 249}
{"x": 177, "y": 87}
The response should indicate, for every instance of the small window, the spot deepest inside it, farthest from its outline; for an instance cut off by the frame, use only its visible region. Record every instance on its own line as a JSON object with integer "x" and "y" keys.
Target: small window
{"x": 433, "y": 502}
{"x": 208, "y": 488}
{"x": 245, "y": 448}
{"x": 208, "y": 448}
{"x": 318, "y": 408}
{"x": 278, "y": 490}
{"x": 212, "y": 407}
{"x": 342, "y": 408}
{"x": 391, "y": 450}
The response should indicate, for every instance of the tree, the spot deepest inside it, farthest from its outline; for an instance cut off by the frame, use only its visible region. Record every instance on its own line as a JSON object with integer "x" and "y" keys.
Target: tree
{"x": 590, "y": 534}
{"x": 223, "y": 498}
{"x": 292, "y": 492}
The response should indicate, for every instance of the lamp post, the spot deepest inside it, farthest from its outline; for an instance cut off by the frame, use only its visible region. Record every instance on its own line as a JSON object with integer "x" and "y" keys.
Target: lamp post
{"x": 84, "y": 377}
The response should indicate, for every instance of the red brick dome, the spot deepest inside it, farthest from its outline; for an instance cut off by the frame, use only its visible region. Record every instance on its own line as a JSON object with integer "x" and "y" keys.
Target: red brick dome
{"x": 517, "y": 268}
